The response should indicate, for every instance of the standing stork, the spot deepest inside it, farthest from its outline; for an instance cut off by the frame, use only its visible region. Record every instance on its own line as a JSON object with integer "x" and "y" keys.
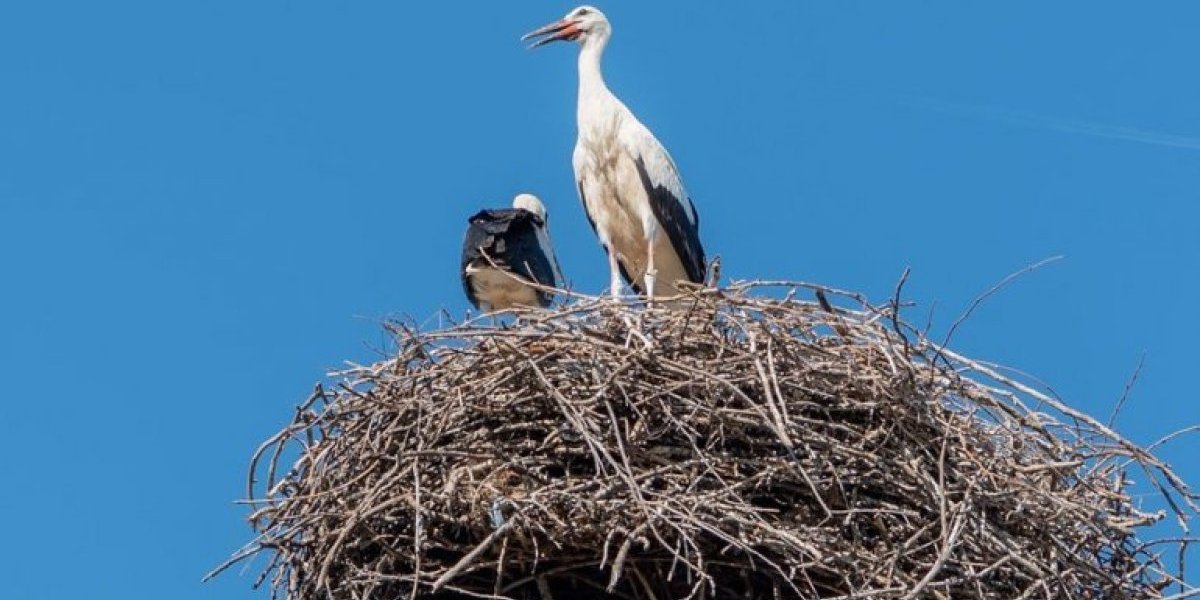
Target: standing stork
{"x": 629, "y": 186}
{"x": 506, "y": 249}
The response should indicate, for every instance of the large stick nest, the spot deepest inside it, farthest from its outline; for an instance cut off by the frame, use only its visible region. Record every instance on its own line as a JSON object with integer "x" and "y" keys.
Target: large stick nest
{"x": 731, "y": 445}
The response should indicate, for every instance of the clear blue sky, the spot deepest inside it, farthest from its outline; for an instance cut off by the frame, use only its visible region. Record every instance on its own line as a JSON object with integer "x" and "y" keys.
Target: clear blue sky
{"x": 206, "y": 205}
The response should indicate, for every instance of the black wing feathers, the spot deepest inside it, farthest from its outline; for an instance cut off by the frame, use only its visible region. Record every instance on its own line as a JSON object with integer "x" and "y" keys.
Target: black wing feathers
{"x": 509, "y": 238}
{"x": 684, "y": 235}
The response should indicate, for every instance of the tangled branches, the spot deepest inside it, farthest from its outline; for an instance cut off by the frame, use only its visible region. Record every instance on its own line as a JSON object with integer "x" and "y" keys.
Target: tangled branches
{"x": 733, "y": 446}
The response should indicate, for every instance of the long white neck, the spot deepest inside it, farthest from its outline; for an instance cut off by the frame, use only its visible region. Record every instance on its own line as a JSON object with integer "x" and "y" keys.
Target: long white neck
{"x": 593, "y": 92}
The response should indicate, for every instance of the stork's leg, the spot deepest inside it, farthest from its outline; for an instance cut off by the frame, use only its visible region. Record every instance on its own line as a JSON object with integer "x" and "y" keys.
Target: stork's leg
{"x": 615, "y": 273}
{"x": 651, "y": 272}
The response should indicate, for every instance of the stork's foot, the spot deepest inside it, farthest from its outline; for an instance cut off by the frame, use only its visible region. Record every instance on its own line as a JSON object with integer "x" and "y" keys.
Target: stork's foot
{"x": 634, "y": 332}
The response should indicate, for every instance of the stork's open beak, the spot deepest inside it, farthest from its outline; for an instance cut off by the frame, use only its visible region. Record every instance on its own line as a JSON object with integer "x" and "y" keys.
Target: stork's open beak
{"x": 556, "y": 31}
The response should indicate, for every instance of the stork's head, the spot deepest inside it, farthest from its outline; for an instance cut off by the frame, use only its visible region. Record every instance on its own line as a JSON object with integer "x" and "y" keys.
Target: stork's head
{"x": 530, "y": 203}
{"x": 580, "y": 25}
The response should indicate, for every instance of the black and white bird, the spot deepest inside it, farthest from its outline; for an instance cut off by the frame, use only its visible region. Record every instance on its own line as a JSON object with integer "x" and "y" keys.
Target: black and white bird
{"x": 517, "y": 242}
{"x": 629, "y": 186}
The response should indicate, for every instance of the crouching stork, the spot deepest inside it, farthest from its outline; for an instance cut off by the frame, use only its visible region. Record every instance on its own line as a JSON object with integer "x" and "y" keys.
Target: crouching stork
{"x": 505, "y": 250}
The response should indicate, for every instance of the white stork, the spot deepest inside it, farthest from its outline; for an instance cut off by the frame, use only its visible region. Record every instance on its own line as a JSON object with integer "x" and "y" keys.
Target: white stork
{"x": 629, "y": 186}
{"x": 505, "y": 248}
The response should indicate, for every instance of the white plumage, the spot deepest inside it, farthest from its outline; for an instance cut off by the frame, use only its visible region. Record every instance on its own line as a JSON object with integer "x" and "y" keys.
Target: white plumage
{"x": 629, "y": 186}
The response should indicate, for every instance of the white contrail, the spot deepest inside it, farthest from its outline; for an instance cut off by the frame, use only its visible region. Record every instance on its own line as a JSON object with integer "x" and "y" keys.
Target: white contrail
{"x": 994, "y": 113}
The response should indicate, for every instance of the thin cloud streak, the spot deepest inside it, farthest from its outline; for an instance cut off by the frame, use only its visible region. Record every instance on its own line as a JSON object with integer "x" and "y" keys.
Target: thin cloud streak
{"x": 994, "y": 113}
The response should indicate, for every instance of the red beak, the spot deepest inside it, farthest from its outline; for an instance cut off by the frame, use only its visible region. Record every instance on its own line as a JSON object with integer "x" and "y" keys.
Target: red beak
{"x": 556, "y": 31}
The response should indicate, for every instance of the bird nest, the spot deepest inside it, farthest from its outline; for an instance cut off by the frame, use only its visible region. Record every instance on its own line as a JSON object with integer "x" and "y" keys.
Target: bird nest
{"x": 737, "y": 444}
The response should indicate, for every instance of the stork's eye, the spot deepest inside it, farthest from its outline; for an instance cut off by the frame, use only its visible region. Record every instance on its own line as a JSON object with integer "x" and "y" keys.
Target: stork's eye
{"x": 582, "y": 11}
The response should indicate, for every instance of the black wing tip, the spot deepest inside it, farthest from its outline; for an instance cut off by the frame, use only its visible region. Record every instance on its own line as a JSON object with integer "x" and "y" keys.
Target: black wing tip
{"x": 502, "y": 214}
{"x": 484, "y": 214}
{"x": 684, "y": 233}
